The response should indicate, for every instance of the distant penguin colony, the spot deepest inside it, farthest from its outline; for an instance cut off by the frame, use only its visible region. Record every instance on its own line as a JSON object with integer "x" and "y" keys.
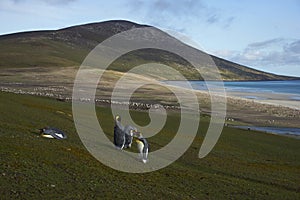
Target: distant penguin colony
{"x": 123, "y": 137}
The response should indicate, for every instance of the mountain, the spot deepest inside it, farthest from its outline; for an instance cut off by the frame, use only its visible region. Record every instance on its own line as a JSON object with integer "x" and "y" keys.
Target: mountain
{"x": 69, "y": 47}
{"x": 64, "y": 47}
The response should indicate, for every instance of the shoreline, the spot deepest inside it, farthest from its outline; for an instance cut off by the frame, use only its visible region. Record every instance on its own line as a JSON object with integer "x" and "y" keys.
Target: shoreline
{"x": 277, "y": 99}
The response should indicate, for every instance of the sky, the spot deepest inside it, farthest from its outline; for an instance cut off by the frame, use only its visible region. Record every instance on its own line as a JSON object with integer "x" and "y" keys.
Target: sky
{"x": 262, "y": 34}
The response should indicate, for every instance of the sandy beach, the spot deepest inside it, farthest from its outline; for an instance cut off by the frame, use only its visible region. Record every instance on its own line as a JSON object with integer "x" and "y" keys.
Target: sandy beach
{"x": 277, "y": 110}
{"x": 277, "y": 99}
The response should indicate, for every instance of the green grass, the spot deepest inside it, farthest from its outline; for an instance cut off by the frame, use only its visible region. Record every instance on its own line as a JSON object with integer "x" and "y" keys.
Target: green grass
{"x": 243, "y": 165}
{"x": 39, "y": 52}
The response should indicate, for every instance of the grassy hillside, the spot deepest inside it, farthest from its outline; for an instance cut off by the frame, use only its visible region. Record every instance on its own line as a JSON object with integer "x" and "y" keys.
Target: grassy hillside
{"x": 69, "y": 46}
{"x": 64, "y": 47}
{"x": 243, "y": 165}
{"x": 38, "y": 52}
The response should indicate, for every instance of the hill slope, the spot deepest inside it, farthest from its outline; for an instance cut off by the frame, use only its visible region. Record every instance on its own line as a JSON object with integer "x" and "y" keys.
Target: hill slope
{"x": 243, "y": 165}
{"x": 69, "y": 46}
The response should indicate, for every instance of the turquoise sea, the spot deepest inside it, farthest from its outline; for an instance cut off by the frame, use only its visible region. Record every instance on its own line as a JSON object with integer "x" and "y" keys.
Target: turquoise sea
{"x": 251, "y": 87}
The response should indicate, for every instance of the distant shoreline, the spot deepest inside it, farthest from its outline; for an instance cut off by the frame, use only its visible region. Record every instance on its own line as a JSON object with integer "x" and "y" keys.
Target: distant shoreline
{"x": 258, "y": 80}
{"x": 260, "y": 94}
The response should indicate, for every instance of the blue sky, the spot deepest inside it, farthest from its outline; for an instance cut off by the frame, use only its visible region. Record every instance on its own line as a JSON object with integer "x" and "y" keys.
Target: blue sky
{"x": 262, "y": 34}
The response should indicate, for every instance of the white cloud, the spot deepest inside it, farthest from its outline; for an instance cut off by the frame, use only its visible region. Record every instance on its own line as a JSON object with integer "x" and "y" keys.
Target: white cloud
{"x": 272, "y": 52}
{"x": 278, "y": 55}
{"x": 60, "y": 2}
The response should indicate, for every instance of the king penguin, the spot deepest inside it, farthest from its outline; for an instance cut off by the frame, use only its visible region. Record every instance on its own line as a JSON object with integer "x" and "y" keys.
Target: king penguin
{"x": 119, "y": 134}
{"x": 143, "y": 147}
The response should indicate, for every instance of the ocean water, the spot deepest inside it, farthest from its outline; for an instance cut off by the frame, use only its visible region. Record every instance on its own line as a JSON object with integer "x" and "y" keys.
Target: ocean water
{"x": 251, "y": 87}
{"x": 274, "y": 130}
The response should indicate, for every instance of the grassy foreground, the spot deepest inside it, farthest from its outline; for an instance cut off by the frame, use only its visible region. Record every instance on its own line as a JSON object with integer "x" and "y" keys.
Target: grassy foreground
{"x": 243, "y": 165}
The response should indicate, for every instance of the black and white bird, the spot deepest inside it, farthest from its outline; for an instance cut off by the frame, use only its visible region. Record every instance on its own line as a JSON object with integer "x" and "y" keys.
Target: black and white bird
{"x": 129, "y": 132}
{"x": 119, "y": 133}
{"x": 51, "y": 132}
{"x": 143, "y": 147}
